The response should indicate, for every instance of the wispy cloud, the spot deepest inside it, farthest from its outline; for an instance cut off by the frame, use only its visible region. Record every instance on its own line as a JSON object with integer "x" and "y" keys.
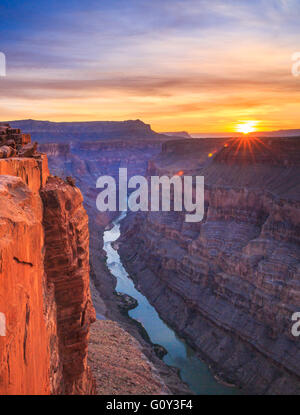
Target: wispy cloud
{"x": 158, "y": 60}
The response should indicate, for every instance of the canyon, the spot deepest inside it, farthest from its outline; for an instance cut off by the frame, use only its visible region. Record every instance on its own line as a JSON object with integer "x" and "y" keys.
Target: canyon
{"x": 227, "y": 285}
{"x": 86, "y": 161}
{"x": 49, "y": 307}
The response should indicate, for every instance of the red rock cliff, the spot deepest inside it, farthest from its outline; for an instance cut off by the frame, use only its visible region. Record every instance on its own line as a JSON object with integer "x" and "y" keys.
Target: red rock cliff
{"x": 45, "y": 301}
{"x": 67, "y": 268}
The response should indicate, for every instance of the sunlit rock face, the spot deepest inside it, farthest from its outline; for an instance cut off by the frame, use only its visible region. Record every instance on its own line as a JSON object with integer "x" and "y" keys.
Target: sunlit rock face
{"x": 44, "y": 328}
{"x": 230, "y": 283}
{"x": 24, "y": 351}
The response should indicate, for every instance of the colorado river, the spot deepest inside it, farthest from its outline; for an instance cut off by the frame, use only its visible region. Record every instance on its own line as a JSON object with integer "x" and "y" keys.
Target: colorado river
{"x": 192, "y": 370}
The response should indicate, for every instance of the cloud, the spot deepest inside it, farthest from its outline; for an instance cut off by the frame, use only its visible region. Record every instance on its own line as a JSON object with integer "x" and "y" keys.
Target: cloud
{"x": 280, "y": 82}
{"x": 155, "y": 59}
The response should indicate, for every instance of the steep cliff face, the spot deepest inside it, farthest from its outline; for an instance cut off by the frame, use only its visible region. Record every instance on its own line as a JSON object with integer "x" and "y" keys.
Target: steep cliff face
{"x": 24, "y": 351}
{"x": 67, "y": 268}
{"x": 230, "y": 283}
{"x": 44, "y": 327}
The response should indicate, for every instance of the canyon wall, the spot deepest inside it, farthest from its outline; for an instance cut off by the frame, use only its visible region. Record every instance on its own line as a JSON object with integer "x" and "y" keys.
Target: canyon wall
{"x": 21, "y": 291}
{"x": 66, "y": 261}
{"x": 44, "y": 276}
{"x": 230, "y": 283}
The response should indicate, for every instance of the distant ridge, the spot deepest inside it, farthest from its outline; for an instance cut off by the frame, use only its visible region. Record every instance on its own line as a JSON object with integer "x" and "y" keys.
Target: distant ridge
{"x": 48, "y": 131}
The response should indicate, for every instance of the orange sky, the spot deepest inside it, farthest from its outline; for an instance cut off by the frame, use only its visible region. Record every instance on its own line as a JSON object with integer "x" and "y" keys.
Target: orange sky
{"x": 203, "y": 68}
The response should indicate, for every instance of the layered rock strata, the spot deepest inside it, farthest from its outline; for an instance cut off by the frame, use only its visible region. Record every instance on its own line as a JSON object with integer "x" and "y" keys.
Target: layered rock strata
{"x": 24, "y": 351}
{"x": 65, "y": 224}
{"x": 229, "y": 284}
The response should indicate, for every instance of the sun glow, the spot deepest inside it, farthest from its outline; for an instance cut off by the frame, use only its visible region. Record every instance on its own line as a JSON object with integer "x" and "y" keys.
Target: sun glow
{"x": 247, "y": 127}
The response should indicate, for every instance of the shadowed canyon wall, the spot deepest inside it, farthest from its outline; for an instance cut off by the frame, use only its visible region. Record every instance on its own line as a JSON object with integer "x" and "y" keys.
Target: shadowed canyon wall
{"x": 230, "y": 283}
{"x": 60, "y": 132}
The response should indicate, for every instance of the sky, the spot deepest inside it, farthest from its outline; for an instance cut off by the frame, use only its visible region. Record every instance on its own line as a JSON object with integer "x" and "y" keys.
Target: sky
{"x": 194, "y": 65}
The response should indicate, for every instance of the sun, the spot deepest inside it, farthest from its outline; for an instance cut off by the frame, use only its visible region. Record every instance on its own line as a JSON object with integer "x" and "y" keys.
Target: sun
{"x": 246, "y": 127}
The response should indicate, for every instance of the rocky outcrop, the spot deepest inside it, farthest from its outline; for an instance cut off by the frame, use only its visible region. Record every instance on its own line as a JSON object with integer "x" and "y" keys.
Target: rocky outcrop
{"x": 46, "y": 324}
{"x": 13, "y": 137}
{"x": 230, "y": 283}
